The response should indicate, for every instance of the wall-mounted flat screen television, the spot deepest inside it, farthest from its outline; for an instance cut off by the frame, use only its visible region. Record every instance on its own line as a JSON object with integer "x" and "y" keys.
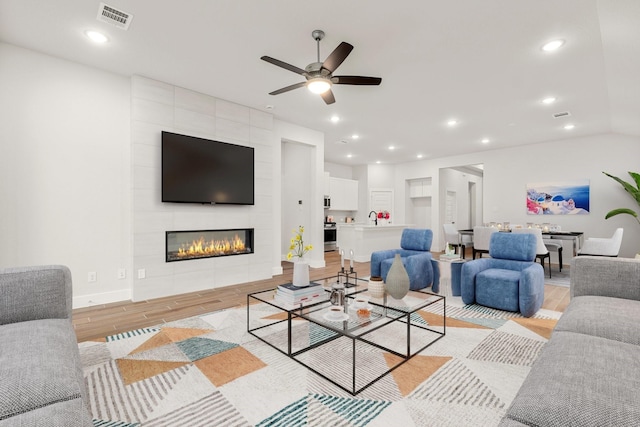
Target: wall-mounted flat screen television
{"x": 196, "y": 170}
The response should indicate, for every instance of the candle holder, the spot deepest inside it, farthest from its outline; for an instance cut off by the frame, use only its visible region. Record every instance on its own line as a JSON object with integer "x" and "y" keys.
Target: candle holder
{"x": 350, "y": 277}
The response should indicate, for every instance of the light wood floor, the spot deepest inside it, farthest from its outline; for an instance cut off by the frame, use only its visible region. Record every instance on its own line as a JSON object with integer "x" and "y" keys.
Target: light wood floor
{"x": 101, "y": 320}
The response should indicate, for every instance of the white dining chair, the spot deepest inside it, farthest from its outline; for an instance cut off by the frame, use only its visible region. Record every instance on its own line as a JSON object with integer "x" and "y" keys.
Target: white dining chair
{"x": 554, "y": 246}
{"x": 542, "y": 252}
{"x": 452, "y": 236}
{"x": 599, "y": 246}
{"x": 481, "y": 239}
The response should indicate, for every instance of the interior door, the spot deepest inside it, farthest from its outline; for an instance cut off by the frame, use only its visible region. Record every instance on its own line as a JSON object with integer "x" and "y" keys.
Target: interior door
{"x": 450, "y": 207}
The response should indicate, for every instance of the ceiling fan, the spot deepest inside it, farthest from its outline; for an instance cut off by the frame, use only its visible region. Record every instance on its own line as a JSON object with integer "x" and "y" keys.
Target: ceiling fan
{"x": 319, "y": 75}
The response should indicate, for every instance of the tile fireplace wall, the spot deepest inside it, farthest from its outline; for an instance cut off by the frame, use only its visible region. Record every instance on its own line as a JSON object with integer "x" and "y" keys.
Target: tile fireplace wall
{"x": 157, "y": 106}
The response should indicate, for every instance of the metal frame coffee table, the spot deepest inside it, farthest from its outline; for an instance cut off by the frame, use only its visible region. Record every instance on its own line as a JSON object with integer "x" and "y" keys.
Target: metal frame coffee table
{"x": 355, "y": 352}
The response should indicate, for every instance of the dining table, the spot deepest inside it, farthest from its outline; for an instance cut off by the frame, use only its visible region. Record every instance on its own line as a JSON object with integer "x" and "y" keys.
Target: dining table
{"x": 577, "y": 237}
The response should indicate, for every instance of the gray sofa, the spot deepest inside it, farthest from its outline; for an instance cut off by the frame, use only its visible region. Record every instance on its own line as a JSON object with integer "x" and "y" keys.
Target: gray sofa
{"x": 588, "y": 374}
{"x": 41, "y": 381}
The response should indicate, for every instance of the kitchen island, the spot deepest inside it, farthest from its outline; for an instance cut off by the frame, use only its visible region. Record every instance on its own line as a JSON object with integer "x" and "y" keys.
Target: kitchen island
{"x": 364, "y": 239}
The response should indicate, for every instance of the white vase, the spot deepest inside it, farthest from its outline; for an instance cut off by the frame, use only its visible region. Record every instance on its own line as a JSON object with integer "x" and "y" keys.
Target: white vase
{"x": 300, "y": 272}
{"x": 397, "y": 284}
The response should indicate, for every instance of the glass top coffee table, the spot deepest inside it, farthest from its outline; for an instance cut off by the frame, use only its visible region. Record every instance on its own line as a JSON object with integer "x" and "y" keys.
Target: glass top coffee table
{"x": 355, "y": 350}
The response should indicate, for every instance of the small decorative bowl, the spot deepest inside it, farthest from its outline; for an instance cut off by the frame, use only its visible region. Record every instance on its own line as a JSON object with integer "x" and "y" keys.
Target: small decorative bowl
{"x": 364, "y": 313}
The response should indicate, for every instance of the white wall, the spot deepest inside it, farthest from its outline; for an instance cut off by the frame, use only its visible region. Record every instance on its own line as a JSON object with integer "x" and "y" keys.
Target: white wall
{"x": 159, "y": 106}
{"x": 297, "y": 189}
{"x": 361, "y": 174}
{"x": 64, "y": 171}
{"x": 80, "y": 181}
{"x": 309, "y": 144}
{"x": 507, "y": 171}
{"x": 338, "y": 171}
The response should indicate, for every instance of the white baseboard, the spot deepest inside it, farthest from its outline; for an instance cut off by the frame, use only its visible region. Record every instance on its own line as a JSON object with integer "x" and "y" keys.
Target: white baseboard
{"x": 102, "y": 298}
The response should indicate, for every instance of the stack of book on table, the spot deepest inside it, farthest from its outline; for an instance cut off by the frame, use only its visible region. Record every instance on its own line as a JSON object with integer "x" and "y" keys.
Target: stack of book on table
{"x": 294, "y": 295}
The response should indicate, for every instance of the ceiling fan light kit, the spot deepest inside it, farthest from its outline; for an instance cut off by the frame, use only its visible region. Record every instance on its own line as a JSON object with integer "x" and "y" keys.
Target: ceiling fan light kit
{"x": 319, "y": 75}
{"x": 318, "y": 85}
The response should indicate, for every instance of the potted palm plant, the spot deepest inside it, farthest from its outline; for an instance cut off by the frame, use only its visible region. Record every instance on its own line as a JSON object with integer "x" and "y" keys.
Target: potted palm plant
{"x": 634, "y": 191}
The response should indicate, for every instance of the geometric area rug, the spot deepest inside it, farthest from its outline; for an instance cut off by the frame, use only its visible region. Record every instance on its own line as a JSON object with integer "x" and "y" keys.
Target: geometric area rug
{"x": 208, "y": 371}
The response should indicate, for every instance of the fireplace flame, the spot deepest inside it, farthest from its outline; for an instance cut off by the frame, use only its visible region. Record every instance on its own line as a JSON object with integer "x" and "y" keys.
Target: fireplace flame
{"x": 213, "y": 247}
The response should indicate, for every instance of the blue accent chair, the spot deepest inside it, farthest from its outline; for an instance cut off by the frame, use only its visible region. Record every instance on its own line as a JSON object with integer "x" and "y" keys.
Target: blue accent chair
{"x": 415, "y": 247}
{"x": 510, "y": 280}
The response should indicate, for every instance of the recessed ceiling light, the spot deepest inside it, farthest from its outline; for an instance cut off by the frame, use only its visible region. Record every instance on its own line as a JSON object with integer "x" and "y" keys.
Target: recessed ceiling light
{"x": 355, "y": 136}
{"x": 335, "y": 119}
{"x": 569, "y": 126}
{"x": 419, "y": 156}
{"x": 269, "y": 107}
{"x": 349, "y": 156}
{"x": 96, "y": 37}
{"x": 391, "y": 148}
{"x": 552, "y": 45}
{"x": 452, "y": 122}
{"x": 485, "y": 140}
{"x": 378, "y": 162}
{"x": 549, "y": 100}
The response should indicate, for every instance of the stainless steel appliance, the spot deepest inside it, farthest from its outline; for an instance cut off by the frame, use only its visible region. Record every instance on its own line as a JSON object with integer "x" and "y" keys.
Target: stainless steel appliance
{"x": 330, "y": 236}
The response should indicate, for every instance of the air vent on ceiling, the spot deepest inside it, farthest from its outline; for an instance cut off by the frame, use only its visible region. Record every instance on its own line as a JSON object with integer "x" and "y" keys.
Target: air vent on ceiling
{"x": 113, "y": 16}
{"x": 562, "y": 114}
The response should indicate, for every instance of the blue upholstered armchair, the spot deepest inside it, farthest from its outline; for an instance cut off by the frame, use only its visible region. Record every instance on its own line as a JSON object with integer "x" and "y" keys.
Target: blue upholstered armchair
{"x": 415, "y": 246}
{"x": 510, "y": 280}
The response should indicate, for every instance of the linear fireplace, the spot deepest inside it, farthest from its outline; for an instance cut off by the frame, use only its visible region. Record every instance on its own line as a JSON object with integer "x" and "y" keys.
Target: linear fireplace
{"x": 196, "y": 244}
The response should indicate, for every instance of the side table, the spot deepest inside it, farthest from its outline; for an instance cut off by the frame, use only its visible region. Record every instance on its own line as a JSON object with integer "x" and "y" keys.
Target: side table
{"x": 456, "y": 273}
{"x": 450, "y": 272}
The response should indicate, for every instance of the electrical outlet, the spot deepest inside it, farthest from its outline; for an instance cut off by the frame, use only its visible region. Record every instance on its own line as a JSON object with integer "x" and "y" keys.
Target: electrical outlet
{"x": 122, "y": 273}
{"x": 92, "y": 277}
{"x": 142, "y": 273}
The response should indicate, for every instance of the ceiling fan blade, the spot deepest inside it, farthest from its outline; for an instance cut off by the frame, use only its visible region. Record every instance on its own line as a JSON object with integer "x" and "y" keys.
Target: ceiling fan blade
{"x": 288, "y": 88}
{"x": 336, "y": 57}
{"x": 356, "y": 80}
{"x": 284, "y": 65}
{"x": 328, "y": 97}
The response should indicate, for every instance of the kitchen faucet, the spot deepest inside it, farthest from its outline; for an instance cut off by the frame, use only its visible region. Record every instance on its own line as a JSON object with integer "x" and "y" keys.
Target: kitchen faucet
{"x": 375, "y": 217}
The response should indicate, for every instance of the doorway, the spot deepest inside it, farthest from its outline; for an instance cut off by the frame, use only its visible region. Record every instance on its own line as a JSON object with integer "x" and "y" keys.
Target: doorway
{"x": 381, "y": 200}
{"x": 460, "y": 192}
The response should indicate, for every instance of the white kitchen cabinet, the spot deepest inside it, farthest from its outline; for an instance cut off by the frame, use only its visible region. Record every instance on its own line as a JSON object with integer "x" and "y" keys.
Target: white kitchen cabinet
{"x": 344, "y": 194}
{"x": 420, "y": 187}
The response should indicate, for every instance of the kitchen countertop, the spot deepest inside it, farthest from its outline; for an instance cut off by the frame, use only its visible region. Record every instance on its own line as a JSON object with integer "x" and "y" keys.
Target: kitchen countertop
{"x": 374, "y": 227}
{"x": 363, "y": 239}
